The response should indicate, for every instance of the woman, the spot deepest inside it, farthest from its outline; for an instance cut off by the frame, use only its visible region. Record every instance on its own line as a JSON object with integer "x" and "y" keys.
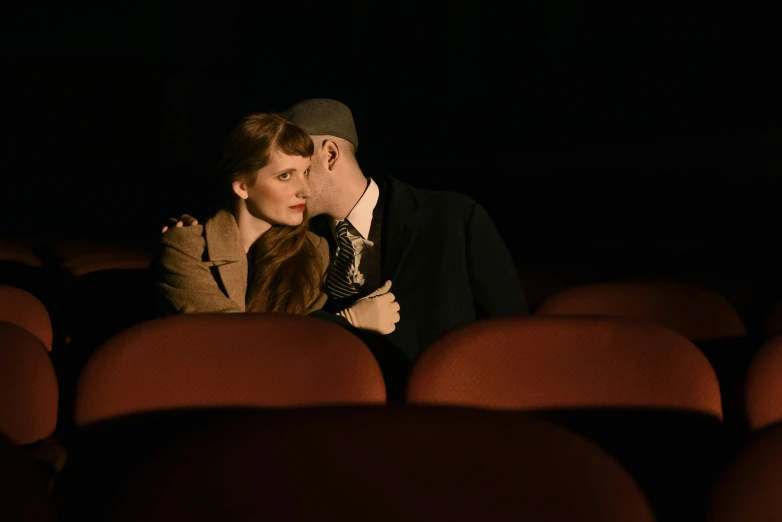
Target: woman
{"x": 256, "y": 253}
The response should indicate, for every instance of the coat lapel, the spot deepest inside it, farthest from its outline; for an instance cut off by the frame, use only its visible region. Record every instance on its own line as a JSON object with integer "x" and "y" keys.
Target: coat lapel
{"x": 225, "y": 251}
{"x": 399, "y": 227}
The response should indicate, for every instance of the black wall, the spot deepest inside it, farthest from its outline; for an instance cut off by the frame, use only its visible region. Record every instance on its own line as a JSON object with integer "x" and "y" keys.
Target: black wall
{"x": 573, "y": 124}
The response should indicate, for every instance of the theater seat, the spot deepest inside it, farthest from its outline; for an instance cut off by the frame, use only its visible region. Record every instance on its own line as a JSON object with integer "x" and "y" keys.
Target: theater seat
{"x": 564, "y": 362}
{"x": 226, "y": 360}
{"x": 696, "y": 313}
{"x": 23, "y": 309}
{"x": 18, "y": 252}
{"x": 106, "y": 288}
{"x": 28, "y": 387}
{"x": 764, "y": 386}
{"x": 394, "y": 464}
{"x": 699, "y": 314}
{"x": 541, "y": 281}
{"x": 83, "y": 256}
{"x": 642, "y": 391}
{"x": 24, "y": 495}
{"x": 749, "y": 489}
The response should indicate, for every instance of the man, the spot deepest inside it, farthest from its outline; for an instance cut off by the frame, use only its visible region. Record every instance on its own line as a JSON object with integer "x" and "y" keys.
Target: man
{"x": 447, "y": 262}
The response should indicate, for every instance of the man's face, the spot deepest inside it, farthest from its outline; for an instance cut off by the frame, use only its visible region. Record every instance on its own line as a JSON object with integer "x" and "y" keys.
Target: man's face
{"x": 318, "y": 182}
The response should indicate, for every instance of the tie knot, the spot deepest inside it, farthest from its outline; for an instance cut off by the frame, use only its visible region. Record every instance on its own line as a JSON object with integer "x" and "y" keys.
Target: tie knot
{"x": 342, "y": 228}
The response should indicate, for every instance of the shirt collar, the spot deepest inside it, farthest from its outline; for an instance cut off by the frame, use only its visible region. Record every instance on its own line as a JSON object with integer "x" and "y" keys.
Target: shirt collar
{"x": 361, "y": 215}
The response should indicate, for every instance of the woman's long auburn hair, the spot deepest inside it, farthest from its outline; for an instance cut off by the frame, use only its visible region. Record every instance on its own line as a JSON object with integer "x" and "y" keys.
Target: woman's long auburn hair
{"x": 287, "y": 274}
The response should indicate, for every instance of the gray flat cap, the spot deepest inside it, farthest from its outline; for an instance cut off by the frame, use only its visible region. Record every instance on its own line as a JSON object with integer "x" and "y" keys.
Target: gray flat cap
{"x": 324, "y": 116}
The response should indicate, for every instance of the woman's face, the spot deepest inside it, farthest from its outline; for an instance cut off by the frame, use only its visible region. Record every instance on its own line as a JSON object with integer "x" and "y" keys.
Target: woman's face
{"x": 278, "y": 193}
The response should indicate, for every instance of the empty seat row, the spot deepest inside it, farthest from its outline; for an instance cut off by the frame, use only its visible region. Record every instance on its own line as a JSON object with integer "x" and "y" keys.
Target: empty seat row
{"x": 696, "y": 313}
{"x": 92, "y": 289}
{"x": 168, "y": 362}
{"x": 389, "y": 463}
{"x": 693, "y": 309}
{"x": 79, "y": 256}
{"x": 345, "y": 463}
{"x": 625, "y": 384}
{"x": 206, "y": 359}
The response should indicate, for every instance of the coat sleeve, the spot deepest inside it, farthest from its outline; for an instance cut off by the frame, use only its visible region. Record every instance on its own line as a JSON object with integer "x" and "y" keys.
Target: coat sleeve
{"x": 494, "y": 280}
{"x": 185, "y": 282}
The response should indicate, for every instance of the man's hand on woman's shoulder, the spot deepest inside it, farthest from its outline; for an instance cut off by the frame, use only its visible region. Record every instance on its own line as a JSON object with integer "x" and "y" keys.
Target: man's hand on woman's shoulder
{"x": 185, "y": 220}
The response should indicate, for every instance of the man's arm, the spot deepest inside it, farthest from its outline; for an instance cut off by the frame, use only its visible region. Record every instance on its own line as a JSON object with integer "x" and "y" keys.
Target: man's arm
{"x": 183, "y": 280}
{"x": 494, "y": 280}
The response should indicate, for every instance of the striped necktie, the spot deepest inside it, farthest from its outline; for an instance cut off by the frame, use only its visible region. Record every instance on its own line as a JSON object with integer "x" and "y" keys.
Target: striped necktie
{"x": 339, "y": 284}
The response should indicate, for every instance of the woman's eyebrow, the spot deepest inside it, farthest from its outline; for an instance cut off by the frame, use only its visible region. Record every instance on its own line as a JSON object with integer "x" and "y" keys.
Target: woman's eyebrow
{"x": 283, "y": 171}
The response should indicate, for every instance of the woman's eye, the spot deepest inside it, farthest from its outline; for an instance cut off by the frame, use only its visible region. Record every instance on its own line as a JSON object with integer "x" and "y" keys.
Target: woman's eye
{"x": 285, "y": 175}
{"x": 307, "y": 172}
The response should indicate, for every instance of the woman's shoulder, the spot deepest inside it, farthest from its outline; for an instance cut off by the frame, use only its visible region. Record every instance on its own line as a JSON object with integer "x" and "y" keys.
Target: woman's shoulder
{"x": 220, "y": 227}
{"x": 321, "y": 245}
{"x": 317, "y": 240}
{"x": 189, "y": 240}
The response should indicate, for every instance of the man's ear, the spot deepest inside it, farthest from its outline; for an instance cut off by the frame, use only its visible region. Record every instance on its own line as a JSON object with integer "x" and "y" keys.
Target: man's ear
{"x": 240, "y": 189}
{"x": 331, "y": 153}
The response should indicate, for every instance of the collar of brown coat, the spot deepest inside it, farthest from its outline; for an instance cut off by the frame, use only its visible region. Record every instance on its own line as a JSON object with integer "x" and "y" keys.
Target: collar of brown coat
{"x": 225, "y": 251}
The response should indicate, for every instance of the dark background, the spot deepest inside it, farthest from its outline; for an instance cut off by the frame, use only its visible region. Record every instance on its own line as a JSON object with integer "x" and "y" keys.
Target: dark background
{"x": 591, "y": 133}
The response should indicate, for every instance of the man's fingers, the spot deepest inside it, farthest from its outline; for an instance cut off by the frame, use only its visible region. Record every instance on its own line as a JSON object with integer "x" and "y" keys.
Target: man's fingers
{"x": 380, "y": 291}
{"x": 184, "y": 221}
{"x": 188, "y": 220}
